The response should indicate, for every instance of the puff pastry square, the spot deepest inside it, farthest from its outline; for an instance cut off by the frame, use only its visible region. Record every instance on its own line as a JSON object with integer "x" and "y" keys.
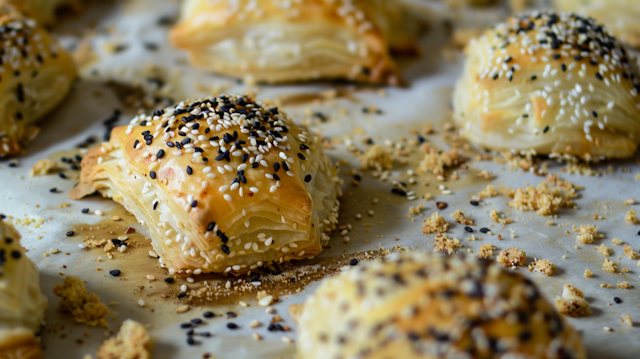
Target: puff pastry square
{"x": 223, "y": 184}
{"x": 620, "y": 16}
{"x": 275, "y": 41}
{"x": 22, "y": 304}
{"x": 554, "y": 83}
{"x": 35, "y": 76}
{"x": 421, "y": 306}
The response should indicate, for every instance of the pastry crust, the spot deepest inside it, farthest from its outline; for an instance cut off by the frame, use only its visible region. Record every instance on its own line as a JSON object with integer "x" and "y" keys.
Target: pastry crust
{"x": 620, "y": 16}
{"x": 417, "y": 305}
{"x": 275, "y": 41}
{"x": 565, "y": 88}
{"x": 43, "y": 11}
{"x": 36, "y": 76}
{"x": 223, "y": 184}
{"x": 22, "y": 304}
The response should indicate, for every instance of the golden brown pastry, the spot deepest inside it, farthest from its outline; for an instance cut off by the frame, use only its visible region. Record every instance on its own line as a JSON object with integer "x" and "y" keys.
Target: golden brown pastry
{"x": 43, "y": 11}
{"x": 286, "y": 41}
{"x": 35, "y": 76}
{"x": 223, "y": 184}
{"x": 552, "y": 83}
{"x": 417, "y": 305}
{"x": 620, "y": 16}
{"x": 22, "y": 304}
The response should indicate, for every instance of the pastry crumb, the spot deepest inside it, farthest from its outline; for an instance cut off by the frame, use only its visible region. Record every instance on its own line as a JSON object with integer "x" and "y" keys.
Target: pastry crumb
{"x": 131, "y": 342}
{"x": 604, "y": 250}
{"x": 605, "y": 285}
{"x": 624, "y": 285}
{"x": 417, "y": 209}
{"x": 629, "y": 252}
{"x": 512, "y": 257}
{"x": 446, "y": 245}
{"x": 458, "y": 215}
{"x": 631, "y": 217}
{"x": 587, "y": 234}
{"x": 626, "y": 319}
{"x": 488, "y": 192}
{"x": 617, "y": 241}
{"x": 84, "y": 306}
{"x": 435, "y": 223}
{"x": 572, "y": 302}
{"x": 587, "y": 273}
{"x": 609, "y": 267}
{"x": 42, "y": 168}
{"x": 543, "y": 266}
{"x": 498, "y": 219}
{"x": 486, "y": 250}
{"x": 544, "y": 199}
{"x": 377, "y": 158}
{"x": 435, "y": 160}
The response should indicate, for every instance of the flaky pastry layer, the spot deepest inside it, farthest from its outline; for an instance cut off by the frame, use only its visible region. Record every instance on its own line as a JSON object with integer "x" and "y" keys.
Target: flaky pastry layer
{"x": 304, "y": 40}
{"x": 552, "y": 83}
{"x": 223, "y": 184}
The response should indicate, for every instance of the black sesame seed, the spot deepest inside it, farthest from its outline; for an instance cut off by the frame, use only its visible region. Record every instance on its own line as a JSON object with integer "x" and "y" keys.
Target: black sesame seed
{"x": 70, "y": 233}
{"x": 196, "y": 321}
{"x": 599, "y": 76}
{"x": 152, "y": 174}
{"x": 307, "y": 178}
{"x": 194, "y": 203}
{"x": 62, "y": 175}
{"x": 468, "y": 229}
{"x": 85, "y": 210}
{"x": 474, "y": 203}
{"x": 353, "y": 262}
{"x": 276, "y": 166}
{"x": 208, "y": 314}
{"x": 232, "y": 326}
{"x": 546, "y": 129}
{"x": 231, "y": 314}
{"x": 617, "y": 300}
{"x": 301, "y": 156}
{"x": 53, "y": 190}
{"x": 15, "y": 254}
{"x": 160, "y": 154}
{"x": 182, "y": 295}
{"x": 191, "y": 341}
{"x": 186, "y": 325}
{"x": 115, "y": 272}
{"x": 398, "y": 191}
{"x": 169, "y": 280}
{"x": 484, "y": 230}
{"x": 189, "y": 170}
{"x": 225, "y": 249}
{"x": 211, "y": 226}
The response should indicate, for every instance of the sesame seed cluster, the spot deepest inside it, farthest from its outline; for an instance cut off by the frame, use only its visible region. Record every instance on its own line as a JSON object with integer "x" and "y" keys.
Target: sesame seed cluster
{"x": 420, "y": 305}
{"x": 531, "y": 80}
{"x": 208, "y": 170}
{"x": 30, "y": 60}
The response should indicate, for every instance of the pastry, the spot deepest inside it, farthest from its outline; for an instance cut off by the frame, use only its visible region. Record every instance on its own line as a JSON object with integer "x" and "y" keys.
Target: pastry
{"x": 43, "y": 11}
{"x": 35, "y": 76}
{"x": 620, "y": 16}
{"x": 417, "y": 305}
{"x": 551, "y": 83}
{"x": 22, "y": 304}
{"x": 275, "y": 41}
{"x": 223, "y": 184}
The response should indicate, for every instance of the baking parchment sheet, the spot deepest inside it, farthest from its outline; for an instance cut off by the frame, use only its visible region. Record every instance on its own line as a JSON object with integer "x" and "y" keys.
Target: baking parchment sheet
{"x": 132, "y": 26}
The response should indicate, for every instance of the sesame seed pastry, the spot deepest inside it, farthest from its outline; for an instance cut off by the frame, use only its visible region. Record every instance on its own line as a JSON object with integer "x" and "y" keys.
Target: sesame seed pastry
{"x": 276, "y": 41}
{"x": 620, "y": 16}
{"x": 22, "y": 304}
{"x": 417, "y": 305}
{"x": 552, "y": 83}
{"x": 43, "y": 11}
{"x": 224, "y": 184}
{"x": 35, "y": 76}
